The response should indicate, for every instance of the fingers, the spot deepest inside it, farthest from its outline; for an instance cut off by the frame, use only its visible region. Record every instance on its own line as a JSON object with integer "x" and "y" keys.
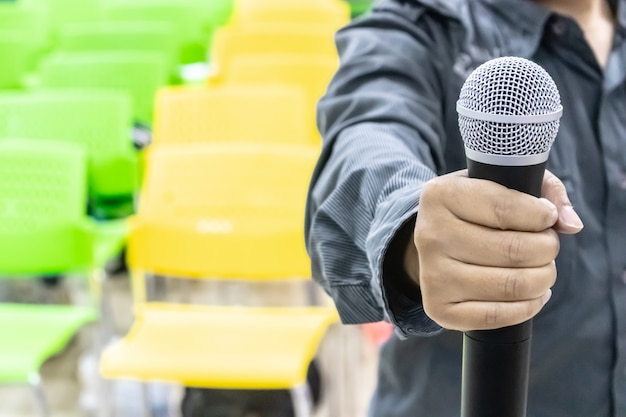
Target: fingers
{"x": 554, "y": 191}
{"x": 492, "y": 205}
{"x": 479, "y": 298}
{"x": 484, "y": 315}
{"x": 479, "y": 283}
{"x": 485, "y": 253}
{"x": 496, "y": 248}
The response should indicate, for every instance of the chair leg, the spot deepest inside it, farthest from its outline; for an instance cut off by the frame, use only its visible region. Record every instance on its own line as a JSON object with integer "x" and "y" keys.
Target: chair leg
{"x": 145, "y": 399}
{"x": 41, "y": 405}
{"x": 302, "y": 401}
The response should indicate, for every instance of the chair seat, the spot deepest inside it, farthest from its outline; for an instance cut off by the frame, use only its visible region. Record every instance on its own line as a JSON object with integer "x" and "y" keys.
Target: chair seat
{"x": 214, "y": 247}
{"x": 219, "y": 347}
{"x": 30, "y": 334}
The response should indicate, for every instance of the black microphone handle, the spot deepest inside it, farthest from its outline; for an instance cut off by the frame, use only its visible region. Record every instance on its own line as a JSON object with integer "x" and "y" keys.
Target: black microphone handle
{"x": 496, "y": 362}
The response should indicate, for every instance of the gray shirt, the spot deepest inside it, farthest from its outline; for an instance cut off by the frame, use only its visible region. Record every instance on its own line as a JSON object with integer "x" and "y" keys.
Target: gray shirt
{"x": 389, "y": 125}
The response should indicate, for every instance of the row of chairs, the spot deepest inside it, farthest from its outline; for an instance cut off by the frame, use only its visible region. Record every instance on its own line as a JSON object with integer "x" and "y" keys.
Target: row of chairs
{"x": 230, "y": 210}
{"x": 208, "y": 211}
{"x": 181, "y": 32}
{"x": 259, "y": 101}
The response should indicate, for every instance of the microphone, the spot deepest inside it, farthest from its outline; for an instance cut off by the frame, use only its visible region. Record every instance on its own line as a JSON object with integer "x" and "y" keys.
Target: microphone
{"x": 509, "y": 110}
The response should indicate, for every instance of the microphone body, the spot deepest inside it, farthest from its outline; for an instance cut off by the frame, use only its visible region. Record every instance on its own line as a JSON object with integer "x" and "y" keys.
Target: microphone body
{"x": 508, "y": 134}
{"x": 496, "y": 362}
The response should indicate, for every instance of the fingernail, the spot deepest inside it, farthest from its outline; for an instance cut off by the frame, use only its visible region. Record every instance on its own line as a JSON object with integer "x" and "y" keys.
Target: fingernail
{"x": 546, "y": 297}
{"x": 570, "y": 218}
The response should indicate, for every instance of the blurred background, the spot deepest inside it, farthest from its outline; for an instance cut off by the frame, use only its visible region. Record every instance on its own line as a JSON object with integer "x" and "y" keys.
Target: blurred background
{"x": 154, "y": 161}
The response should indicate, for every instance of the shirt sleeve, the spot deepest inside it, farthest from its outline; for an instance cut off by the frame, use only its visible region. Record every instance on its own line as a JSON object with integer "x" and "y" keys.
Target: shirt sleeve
{"x": 383, "y": 137}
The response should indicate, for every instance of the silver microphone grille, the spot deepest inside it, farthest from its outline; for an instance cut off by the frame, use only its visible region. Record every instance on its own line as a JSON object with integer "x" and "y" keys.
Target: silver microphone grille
{"x": 509, "y": 106}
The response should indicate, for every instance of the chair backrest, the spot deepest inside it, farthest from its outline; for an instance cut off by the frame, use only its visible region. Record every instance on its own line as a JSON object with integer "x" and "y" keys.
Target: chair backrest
{"x": 312, "y": 73}
{"x": 63, "y": 12}
{"x": 273, "y": 39}
{"x": 98, "y": 121}
{"x": 239, "y": 207}
{"x": 183, "y": 15}
{"x": 215, "y": 13}
{"x": 263, "y": 113}
{"x": 42, "y": 204}
{"x": 156, "y": 37}
{"x": 32, "y": 19}
{"x": 359, "y": 7}
{"x": 16, "y": 53}
{"x": 140, "y": 74}
{"x": 333, "y": 14}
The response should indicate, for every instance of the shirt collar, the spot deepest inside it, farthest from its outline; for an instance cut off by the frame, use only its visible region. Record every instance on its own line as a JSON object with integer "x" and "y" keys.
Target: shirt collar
{"x": 522, "y": 14}
{"x": 620, "y": 12}
{"x": 529, "y": 19}
{"x": 524, "y": 20}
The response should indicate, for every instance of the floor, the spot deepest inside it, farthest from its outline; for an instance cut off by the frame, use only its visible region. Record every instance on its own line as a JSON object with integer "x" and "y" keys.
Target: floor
{"x": 71, "y": 384}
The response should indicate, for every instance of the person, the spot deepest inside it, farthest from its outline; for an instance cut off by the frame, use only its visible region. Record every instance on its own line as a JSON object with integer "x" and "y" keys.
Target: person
{"x": 397, "y": 231}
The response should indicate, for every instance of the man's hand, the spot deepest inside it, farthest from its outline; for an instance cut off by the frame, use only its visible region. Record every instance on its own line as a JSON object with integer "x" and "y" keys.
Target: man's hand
{"x": 483, "y": 254}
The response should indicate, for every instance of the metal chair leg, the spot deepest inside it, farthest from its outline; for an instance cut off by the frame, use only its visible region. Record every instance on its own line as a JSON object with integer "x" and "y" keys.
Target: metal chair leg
{"x": 34, "y": 380}
{"x": 145, "y": 399}
{"x": 302, "y": 400}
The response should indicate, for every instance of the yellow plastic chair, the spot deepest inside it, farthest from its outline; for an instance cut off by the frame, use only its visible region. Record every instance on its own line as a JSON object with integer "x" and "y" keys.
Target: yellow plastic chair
{"x": 227, "y": 113}
{"x": 222, "y": 211}
{"x": 332, "y": 14}
{"x": 264, "y": 39}
{"x": 312, "y": 73}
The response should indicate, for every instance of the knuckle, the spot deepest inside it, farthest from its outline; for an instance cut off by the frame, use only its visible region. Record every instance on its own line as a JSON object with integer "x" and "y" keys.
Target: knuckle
{"x": 440, "y": 312}
{"x": 554, "y": 182}
{"x": 552, "y": 273}
{"x": 433, "y": 311}
{"x": 532, "y": 308}
{"x": 556, "y": 243}
{"x": 547, "y": 219}
{"x": 514, "y": 284}
{"x": 431, "y": 191}
{"x": 492, "y": 315}
{"x": 512, "y": 248}
{"x": 501, "y": 209}
{"x": 548, "y": 246}
{"x": 425, "y": 235}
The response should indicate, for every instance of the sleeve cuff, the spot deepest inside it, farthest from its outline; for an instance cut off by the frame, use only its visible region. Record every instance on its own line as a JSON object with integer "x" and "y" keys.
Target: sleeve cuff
{"x": 401, "y": 298}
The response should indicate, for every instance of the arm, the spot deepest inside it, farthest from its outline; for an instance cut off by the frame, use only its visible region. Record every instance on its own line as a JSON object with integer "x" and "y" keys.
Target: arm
{"x": 383, "y": 138}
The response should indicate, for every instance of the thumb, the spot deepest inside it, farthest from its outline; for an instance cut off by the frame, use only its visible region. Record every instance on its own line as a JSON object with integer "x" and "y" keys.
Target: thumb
{"x": 553, "y": 190}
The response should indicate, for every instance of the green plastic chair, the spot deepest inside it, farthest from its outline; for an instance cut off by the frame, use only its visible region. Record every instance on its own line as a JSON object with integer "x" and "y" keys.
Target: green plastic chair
{"x": 63, "y": 12}
{"x": 216, "y": 12}
{"x": 183, "y": 15}
{"x": 359, "y": 7}
{"x": 139, "y": 73}
{"x": 158, "y": 37}
{"x": 31, "y": 22}
{"x": 97, "y": 120}
{"x": 15, "y": 51}
{"x": 44, "y": 230}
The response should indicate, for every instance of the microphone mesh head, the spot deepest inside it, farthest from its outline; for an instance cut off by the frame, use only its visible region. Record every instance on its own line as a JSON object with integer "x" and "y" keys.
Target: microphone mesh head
{"x": 514, "y": 87}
